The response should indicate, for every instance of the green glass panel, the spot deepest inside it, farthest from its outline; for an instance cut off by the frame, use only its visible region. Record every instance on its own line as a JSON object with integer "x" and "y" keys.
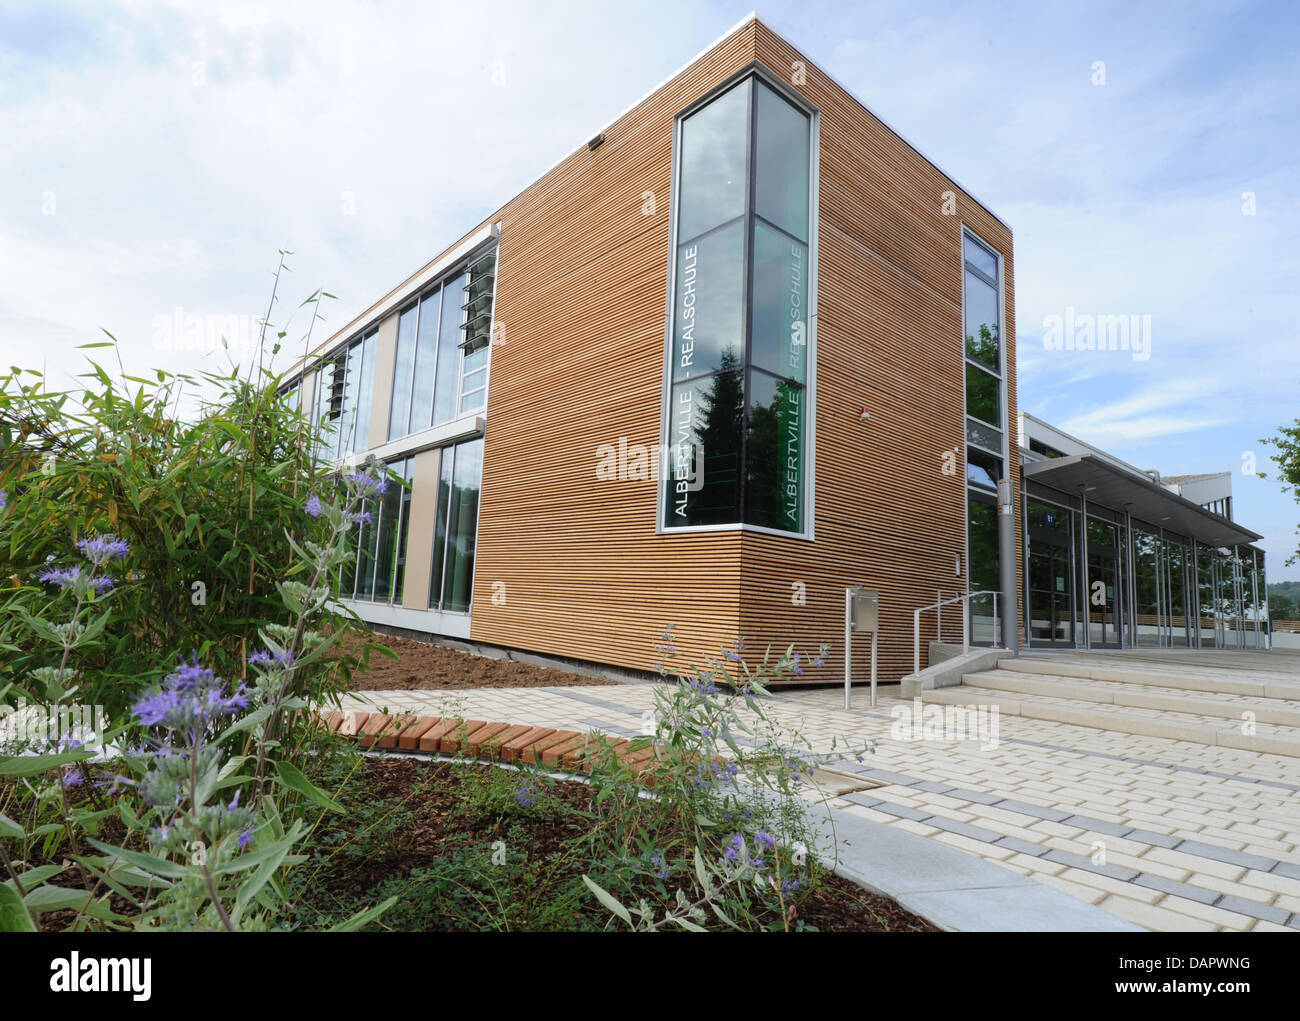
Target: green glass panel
{"x": 780, "y": 301}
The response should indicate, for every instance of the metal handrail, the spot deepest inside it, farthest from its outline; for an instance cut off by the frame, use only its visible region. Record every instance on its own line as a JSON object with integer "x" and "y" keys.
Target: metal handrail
{"x": 965, "y": 623}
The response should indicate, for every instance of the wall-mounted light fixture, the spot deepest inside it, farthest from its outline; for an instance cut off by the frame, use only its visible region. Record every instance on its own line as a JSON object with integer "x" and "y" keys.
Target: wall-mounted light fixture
{"x": 597, "y": 142}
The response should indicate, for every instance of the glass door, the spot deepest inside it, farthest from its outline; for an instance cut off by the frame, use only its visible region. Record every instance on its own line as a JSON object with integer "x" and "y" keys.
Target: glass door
{"x": 1103, "y": 585}
{"x": 1051, "y": 617}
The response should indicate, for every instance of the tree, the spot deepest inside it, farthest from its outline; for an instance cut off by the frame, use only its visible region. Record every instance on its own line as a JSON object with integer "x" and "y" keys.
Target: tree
{"x": 1281, "y": 608}
{"x": 1287, "y": 459}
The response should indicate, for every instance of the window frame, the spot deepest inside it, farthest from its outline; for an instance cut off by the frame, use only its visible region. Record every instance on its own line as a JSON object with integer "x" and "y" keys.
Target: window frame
{"x": 766, "y": 77}
{"x": 1004, "y": 454}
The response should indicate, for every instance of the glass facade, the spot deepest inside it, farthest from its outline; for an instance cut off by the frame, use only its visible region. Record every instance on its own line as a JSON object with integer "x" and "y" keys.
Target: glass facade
{"x": 452, "y": 578}
{"x": 737, "y": 419}
{"x": 344, "y": 392}
{"x": 441, "y": 363}
{"x": 376, "y": 573}
{"x": 1138, "y": 587}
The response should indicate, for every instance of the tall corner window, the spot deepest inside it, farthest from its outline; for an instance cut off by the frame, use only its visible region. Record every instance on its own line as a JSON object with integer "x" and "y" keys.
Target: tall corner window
{"x": 737, "y": 417}
{"x": 985, "y": 427}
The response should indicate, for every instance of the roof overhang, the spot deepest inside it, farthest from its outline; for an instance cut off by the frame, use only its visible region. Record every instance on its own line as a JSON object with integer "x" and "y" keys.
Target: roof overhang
{"x": 1100, "y": 481}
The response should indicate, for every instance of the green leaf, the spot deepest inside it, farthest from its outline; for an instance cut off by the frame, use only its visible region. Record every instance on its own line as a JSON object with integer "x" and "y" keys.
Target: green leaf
{"x": 32, "y": 877}
{"x": 55, "y": 898}
{"x": 249, "y": 888}
{"x": 364, "y": 917}
{"x": 14, "y": 917}
{"x": 606, "y": 899}
{"x": 701, "y": 873}
{"x": 149, "y": 863}
{"x": 10, "y": 829}
{"x": 32, "y": 765}
{"x": 291, "y": 776}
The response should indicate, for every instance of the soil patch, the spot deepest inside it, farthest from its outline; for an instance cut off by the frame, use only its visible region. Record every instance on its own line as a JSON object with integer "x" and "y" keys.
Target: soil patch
{"x": 425, "y": 666}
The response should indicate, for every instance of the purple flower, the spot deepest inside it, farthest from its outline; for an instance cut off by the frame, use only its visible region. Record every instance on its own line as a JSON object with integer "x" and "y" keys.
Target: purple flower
{"x": 100, "y": 549}
{"x": 525, "y": 796}
{"x": 245, "y": 838}
{"x": 734, "y": 848}
{"x": 285, "y": 657}
{"x": 189, "y": 699}
{"x": 3, "y": 498}
{"x": 367, "y": 485}
{"x": 763, "y": 837}
{"x": 361, "y": 518}
{"x": 312, "y": 506}
{"x": 114, "y": 782}
{"x": 61, "y": 576}
{"x": 73, "y": 778}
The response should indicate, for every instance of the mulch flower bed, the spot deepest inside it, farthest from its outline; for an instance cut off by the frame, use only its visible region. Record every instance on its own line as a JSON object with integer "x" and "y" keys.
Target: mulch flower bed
{"x": 425, "y": 666}
{"x": 426, "y": 833}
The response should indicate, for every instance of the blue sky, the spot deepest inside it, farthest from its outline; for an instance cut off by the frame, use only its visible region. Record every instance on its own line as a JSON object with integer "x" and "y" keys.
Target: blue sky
{"x": 157, "y": 155}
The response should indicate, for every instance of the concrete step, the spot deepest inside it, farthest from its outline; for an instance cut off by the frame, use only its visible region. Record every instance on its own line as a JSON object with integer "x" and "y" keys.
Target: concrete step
{"x": 1284, "y": 712}
{"x": 1163, "y": 723}
{"x": 1261, "y": 685}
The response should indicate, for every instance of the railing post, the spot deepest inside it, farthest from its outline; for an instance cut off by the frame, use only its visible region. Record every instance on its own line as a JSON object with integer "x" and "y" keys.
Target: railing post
{"x": 965, "y": 626}
{"x": 916, "y": 641}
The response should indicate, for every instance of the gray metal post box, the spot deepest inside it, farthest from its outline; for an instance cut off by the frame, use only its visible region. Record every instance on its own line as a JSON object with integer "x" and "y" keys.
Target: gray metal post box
{"x": 866, "y": 610}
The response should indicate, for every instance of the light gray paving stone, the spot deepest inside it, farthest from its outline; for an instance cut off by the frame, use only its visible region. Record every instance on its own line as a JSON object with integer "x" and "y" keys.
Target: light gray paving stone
{"x": 1020, "y": 909}
{"x": 1253, "y": 909}
{"x": 964, "y": 829}
{"x": 885, "y": 776}
{"x": 1153, "y": 838}
{"x": 1080, "y": 861}
{"x": 1166, "y": 885}
{"x": 902, "y": 811}
{"x": 1250, "y": 861}
{"x": 1037, "y": 811}
{"x": 955, "y": 890}
{"x": 1023, "y": 846}
{"x": 977, "y": 797}
{"x": 1096, "y": 825}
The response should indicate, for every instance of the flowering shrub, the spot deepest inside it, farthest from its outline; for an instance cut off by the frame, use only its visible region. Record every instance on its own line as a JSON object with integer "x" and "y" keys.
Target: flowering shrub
{"x": 726, "y": 811}
{"x": 196, "y": 516}
{"x": 207, "y": 788}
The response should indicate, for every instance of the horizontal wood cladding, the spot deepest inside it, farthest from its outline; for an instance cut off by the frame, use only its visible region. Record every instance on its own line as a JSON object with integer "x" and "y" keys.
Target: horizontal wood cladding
{"x": 581, "y": 297}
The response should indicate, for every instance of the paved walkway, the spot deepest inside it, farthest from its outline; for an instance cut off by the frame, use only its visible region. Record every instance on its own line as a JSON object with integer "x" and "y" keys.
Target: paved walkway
{"x": 1171, "y": 835}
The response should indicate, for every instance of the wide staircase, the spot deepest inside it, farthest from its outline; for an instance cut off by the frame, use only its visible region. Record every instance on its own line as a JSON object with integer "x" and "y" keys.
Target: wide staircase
{"x": 1248, "y": 700}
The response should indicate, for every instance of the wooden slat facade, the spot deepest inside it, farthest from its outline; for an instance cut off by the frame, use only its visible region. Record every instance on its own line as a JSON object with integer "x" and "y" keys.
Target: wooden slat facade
{"x": 571, "y": 565}
{"x": 581, "y": 295}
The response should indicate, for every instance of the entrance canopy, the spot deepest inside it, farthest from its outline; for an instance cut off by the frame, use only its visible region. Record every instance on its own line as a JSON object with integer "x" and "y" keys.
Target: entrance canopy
{"x": 1102, "y": 482}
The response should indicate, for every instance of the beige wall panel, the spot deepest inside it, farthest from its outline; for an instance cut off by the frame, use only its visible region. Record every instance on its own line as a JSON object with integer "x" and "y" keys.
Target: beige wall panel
{"x": 420, "y": 528}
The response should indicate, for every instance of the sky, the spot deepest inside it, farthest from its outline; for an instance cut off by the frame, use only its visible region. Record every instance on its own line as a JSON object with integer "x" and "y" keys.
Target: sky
{"x": 158, "y": 156}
